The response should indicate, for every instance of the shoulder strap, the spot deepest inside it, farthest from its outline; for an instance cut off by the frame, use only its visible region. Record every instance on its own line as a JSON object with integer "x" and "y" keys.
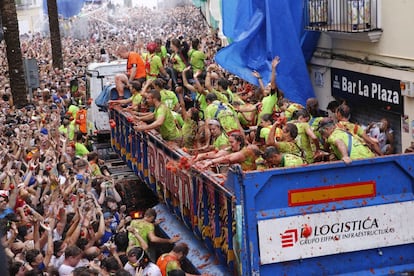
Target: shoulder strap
{"x": 220, "y": 107}
{"x": 311, "y": 121}
{"x": 349, "y": 140}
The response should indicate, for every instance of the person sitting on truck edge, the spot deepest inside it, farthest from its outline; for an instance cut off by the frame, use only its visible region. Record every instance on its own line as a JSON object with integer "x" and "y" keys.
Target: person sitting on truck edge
{"x": 343, "y": 114}
{"x": 245, "y": 155}
{"x": 343, "y": 144}
{"x": 135, "y": 70}
{"x": 274, "y": 159}
{"x": 135, "y": 100}
{"x": 163, "y": 119}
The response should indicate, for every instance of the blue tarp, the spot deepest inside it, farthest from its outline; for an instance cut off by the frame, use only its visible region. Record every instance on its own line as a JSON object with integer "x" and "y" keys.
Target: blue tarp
{"x": 66, "y": 8}
{"x": 109, "y": 93}
{"x": 261, "y": 30}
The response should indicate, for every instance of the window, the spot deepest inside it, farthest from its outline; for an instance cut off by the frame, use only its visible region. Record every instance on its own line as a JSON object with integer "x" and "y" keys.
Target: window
{"x": 350, "y": 16}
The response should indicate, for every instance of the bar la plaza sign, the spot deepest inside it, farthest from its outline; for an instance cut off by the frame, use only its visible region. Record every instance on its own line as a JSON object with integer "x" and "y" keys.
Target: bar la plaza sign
{"x": 367, "y": 89}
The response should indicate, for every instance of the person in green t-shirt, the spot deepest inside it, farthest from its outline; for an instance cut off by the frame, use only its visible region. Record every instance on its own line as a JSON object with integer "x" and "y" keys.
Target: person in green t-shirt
{"x": 343, "y": 144}
{"x": 274, "y": 158}
{"x": 196, "y": 56}
{"x": 162, "y": 117}
{"x": 135, "y": 99}
{"x": 80, "y": 149}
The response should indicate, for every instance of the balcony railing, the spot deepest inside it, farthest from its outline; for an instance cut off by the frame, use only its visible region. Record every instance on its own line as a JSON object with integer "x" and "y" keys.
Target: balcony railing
{"x": 347, "y": 16}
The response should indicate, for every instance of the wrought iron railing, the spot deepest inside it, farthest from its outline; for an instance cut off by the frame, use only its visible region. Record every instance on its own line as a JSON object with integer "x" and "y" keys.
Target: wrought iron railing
{"x": 342, "y": 15}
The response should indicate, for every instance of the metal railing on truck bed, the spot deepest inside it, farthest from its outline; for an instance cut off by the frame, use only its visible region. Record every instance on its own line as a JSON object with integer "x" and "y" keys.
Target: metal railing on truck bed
{"x": 320, "y": 219}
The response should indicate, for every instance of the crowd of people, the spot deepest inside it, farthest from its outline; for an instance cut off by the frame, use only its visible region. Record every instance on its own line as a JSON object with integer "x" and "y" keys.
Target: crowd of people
{"x": 59, "y": 208}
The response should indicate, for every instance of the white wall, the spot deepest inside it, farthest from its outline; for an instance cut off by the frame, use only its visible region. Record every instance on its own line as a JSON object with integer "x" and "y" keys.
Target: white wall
{"x": 395, "y": 47}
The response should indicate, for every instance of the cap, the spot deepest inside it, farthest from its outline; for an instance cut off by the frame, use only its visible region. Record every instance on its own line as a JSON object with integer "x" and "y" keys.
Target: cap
{"x": 325, "y": 122}
{"x": 44, "y": 131}
{"x": 107, "y": 215}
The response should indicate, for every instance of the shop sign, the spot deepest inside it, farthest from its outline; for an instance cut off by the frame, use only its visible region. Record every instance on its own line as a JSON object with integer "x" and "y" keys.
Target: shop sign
{"x": 369, "y": 90}
{"x": 327, "y": 233}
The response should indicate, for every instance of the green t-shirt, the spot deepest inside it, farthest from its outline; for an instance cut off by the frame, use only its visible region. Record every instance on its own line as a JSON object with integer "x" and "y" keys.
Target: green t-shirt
{"x": 163, "y": 53}
{"x": 268, "y": 104}
{"x": 136, "y": 99}
{"x": 357, "y": 148}
{"x": 201, "y": 100}
{"x": 289, "y": 147}
{"x": 155, "y": 65}
{"x": 189, "y": 131}
{"x": 168, "y": 98}
{"x": 80, "y": 149}
{"x": 291, "y": 160}
{"x": 226, "y": 116}
{"x": 168, "y": 129}
{"x": 196, "y": 59}
{"x": 143, "y": 227}
{"x": 221, "y": 97}
{"x": 303, "y": 141}
{"x": 221, "y": 141}
{"x": 179, "y": 64}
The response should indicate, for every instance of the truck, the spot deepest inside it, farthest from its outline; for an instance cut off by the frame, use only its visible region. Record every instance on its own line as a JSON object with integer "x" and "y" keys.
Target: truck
{"x": 98, "y": 77}
{"x": 327, "y": 218}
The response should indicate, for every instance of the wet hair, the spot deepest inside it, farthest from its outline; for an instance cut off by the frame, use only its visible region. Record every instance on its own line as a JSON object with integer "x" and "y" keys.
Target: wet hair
{"x": 344, "y": 110}
{"x": 312, "y": 106}
{"x": 333, "y": 105}
{"x": 267, "y": 117}
{"x": 211, "y": 97}
{"x": 92, "y": 155}
{"x": 223, "y": 83}
{"x": 239, "y": 138}
{"x": 155, "y": 94}
{"x": 195, "y": 42}
{"x": 14, "y": 267}
{"x": 181, "y": 248}
{"x": 110, "y": 264}
{"x": 269, "y": 152}
{"x": 300, "y": 112}
{"x": 56, "y": 246}
{"x": 136, "y": 84}
{"x": 121, "y": 241}
{"x": 159, "y": 82}
{"x": 292, "y": 129}
{"x": 150, "y": 212}
{"x": 195, "y": 114}
{"x": 31, "y": 255}
{"x": 72, "y": 251}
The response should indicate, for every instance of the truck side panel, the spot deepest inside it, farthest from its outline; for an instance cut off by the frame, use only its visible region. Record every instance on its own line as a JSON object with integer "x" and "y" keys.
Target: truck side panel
{"x": 328, "y": 218}
{"x": 322, "y": 219}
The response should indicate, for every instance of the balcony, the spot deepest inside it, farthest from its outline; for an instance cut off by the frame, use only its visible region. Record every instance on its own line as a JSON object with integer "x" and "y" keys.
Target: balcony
{"x": 344, "y": 19}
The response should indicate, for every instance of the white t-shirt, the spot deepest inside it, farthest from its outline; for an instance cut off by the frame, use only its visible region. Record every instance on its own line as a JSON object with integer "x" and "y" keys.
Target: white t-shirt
{"x": 151, "y": 270}
{"x": 57, "y": 262}
{"x": 65, "y": 270}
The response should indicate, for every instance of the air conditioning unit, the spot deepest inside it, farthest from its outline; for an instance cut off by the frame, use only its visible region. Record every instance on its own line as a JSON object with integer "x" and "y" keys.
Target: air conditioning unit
{"x": 407, "y": 88}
